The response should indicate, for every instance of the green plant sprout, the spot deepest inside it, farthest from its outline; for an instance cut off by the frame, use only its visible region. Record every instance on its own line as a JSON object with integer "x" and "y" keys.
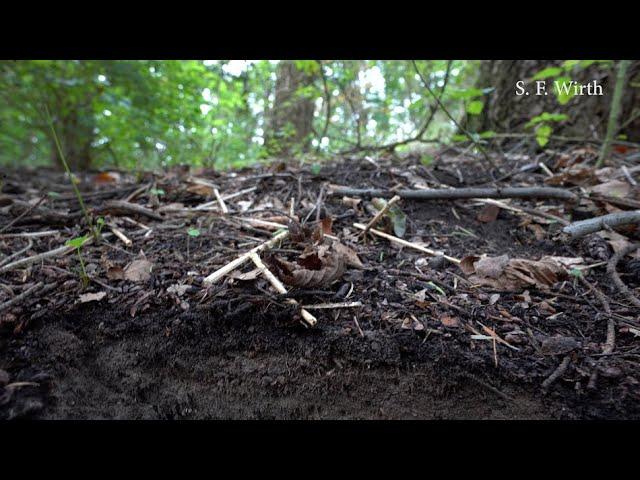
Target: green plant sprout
{"x": 192, "y": 232}
{"x": 157, "y": 191}
{"x": 77, "y": 243}
{"x": 87, "y": 217}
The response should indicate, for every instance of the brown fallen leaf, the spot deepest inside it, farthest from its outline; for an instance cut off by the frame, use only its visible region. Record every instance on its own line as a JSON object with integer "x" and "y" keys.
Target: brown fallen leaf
{"x": 138, "y": 271}
{"x": 449, "y": 321}
{"x": 200, "y": 190}
{"x": 92, "y": 297}
{"x": 115, "y": 273}
{"x": 488, "y": 214}
{"x": 513, "y": 274}
{"x": 297, "y": 276}
{"x": 613, "y": 188}
{"x": 247, "y": 276}
{"x": 350, "y": 257}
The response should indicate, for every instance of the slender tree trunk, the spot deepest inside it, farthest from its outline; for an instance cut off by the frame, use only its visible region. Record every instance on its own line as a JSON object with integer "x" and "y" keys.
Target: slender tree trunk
{"x": 290, "y": 122}
{"x": 75, "y": 131}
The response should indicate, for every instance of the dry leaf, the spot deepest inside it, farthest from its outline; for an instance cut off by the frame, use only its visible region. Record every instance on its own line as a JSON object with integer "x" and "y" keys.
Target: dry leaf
{"x": 178, "y": 289}
{"x": 115, "y": 273}
{"x": 350, "y": 257}
{"x": 200, "y": 189}
{"x": 92, "y": 297}
{"x": 449, "y": 321}
{"x": 351, "y": 202}
{"x": 138, "y": 271}
{"x": 251, "y": 275}
{"x": 488, "y": 214}
{"x": 514, "y": 274}
{"x": 106, "y": 177}
{"x": 293, "y": 274}
{"x": 614, "y": 188}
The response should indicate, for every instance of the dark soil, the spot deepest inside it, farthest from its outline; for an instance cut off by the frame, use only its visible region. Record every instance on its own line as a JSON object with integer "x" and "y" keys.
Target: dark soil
{"x": 236, "y": 350}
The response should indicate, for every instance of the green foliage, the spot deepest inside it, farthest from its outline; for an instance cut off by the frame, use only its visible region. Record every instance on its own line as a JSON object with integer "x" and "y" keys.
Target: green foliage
{"x": 543, "y": 132}
{"x": 193, "y": 232}
{"x": 77, "y": 242}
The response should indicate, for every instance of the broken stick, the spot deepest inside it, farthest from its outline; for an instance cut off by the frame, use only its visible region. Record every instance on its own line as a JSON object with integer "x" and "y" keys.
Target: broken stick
{"x": 461, "y": 193}
{"x": 229, "y": 267}
{"x": 277, "y": 284}
{"x": 585, "y": 227}
{"x": 402, "y": 242}
{"x": 223, "y": 207}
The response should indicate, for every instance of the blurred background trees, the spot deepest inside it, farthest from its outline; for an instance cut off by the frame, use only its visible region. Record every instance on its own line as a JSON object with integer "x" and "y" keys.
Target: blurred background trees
{"x": 221, "y": 114}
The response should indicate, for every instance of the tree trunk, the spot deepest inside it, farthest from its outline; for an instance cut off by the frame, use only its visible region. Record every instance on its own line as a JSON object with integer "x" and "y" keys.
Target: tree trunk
{"x": 291, "y": 119}
{"x": 506, "y": 112}
{"x": 75, "y": 133}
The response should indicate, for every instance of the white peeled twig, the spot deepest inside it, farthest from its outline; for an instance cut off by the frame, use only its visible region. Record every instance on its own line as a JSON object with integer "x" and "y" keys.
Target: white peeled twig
{"x": 320, "y": 306}
{"x": 229, "y": 267}
{"x": 23, "y": 295}
{"x": 118, "y": 233}
{"x": 280, "y": 288}
{"x": 223, "y": 207}
{"x": 400, "y": 241}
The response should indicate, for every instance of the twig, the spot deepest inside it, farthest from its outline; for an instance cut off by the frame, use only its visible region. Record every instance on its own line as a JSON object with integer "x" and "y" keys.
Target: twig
{"x": 223, "y": 207}
{"x": 280, "y": 288}
{"x": 229, "y": 267}
{"x": 20, "y": 297}
{"x": 610, "y": 342}
{"x": 407, "y": 244}
{"x": 23, "y": 214}
{"x": 320, "y": 306}
{"x": 460, "y": 193}
{"x": 611, "y": 270}
{"x": 379, "y": 215}
{"x": 214, "y": 203}
{"x": 628, "y": 176}
{"x": 557, "y": 373}
{"x": 44, "y": 233}
{"x": 36, "y": 258}
{"x": 16, "y": 254}
{"x": 118, "y": 233}
{"x": 120, "y": 207}
{"x": 584, "y": 227}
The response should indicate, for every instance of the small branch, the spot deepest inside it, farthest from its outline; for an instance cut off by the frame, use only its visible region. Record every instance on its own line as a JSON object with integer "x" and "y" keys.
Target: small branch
{"x": 16, "y": 254}
{"x": 404, "y": 243}
{"x": 120, "y": 207}
{"x": 223, "y": 207}
{"x": 22, "y": 296}
{"x": 585, "y": 227}
{"x": 333, "y": 305}
{"x": 118, "y": 233}
{"x": 557, "y": 373}
{"x": 611, "y": 270}
{"x": 229, "y": 267}
{"x": 459, "y": 193}
{"x": 280, "y": 288}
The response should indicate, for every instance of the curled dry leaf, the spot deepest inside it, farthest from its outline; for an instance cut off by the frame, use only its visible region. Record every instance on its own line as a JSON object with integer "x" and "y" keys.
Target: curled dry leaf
{"x": 613, "y": 188}
{"x": 92, "y": 297}
{"x": 349, "y": 256}
{"x": 297, "y": 276}
{"x": 513, "y": 274}
{"x": 115, "y": 273}
{"x": 250, "y": 275}
{"x": 138, "y": 271}
{"x": 488, "y": 214}
{"x": 448, "y": 321}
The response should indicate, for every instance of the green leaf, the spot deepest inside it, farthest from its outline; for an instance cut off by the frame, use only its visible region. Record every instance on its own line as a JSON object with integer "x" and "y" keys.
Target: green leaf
{"x": 458, "y": 137}
{"x": 157, "y": 191}
{"x": 436, "y": 288}
{"x": 547, "y": 117}
{"x": 488, "y": 134}
{"x": 547, "y": 72}
{"x": 543, "y": 132}
{"x": 76, "y": 242}
{"x": 315, "y": 169}
{"x": 563, "y": 88}
{"x": 193, "y": 232}
{"x": 575, "y": 272}
{"x": 54, "y": 194}
{"x": 475, "y": 107}
{"x": 466, "y": 93}
{"x": 426, "y": 160}
{"x": 100, "y": 221}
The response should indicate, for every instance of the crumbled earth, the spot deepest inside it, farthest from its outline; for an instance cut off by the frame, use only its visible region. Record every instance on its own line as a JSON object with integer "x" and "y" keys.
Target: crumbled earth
{"x": 163, "y": 344}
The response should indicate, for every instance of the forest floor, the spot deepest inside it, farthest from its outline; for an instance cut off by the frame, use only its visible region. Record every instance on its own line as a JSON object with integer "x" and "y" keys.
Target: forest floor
{"x": 403, "y": 334}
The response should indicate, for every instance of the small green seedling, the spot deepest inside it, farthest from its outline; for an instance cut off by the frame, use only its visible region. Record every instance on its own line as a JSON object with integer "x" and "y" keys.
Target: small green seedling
{"x": 157, "y": 191}
{"x": 77, "y": 243}
{"x": 192, "y": 232}
{"x": 315, "y": 169}
{"x": 54, "y": 194}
